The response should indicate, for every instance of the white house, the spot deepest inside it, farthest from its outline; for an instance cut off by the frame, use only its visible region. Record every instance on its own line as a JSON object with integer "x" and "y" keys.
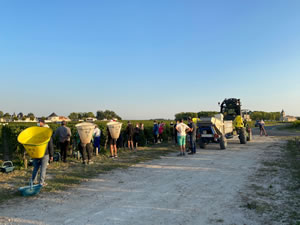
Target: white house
{"x": 55, "y": 118}
{"x": 285, "y": 118}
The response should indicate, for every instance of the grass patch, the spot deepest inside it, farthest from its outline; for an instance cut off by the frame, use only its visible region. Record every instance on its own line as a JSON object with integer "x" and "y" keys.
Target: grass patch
{"x": 61, "y": 176}
{"x": 275, "y": 191}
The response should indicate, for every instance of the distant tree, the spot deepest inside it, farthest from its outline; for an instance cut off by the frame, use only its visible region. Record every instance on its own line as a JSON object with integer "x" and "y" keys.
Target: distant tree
{"x": 43, "y": 118}
{"x": 185, "y": 115}
{"x": 100, "y": 115}
{"x": 207, "y": 113}
{"x": 6, "y": 115}
{"x": 73, "y": 116}
{"x": 90, "y": 114}
{"x": 15, "y": 118}
{"x": 31, "y": 116}
{"x": 258, "y": 115}
{"x": 1, "y": 114}
{"x": 107, "y": 114}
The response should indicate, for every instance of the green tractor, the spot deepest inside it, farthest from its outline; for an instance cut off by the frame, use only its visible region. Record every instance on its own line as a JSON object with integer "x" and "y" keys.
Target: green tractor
{"x": 231, "y": 110}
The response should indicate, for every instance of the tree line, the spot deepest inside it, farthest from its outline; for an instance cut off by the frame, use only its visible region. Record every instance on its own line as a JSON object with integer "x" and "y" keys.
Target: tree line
{"x": 100, "y": 115}
{"x": 17, "y": 117}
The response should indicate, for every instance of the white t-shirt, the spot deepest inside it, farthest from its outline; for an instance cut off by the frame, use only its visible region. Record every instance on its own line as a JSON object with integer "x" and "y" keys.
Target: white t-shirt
{"x": 181, "y": 127}
{"x": 97, "y": 132}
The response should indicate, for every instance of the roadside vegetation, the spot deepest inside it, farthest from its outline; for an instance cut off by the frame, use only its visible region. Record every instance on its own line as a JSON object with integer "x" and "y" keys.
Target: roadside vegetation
{"x": 10, "y": 149}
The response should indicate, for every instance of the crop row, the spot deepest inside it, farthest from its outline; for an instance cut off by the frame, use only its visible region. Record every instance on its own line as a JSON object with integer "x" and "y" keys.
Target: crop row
{"x": 10, "y": 149}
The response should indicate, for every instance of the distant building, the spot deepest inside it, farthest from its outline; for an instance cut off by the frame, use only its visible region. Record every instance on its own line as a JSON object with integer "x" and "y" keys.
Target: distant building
{"x": 285, "y": 118}
{"x": 90, "y": 119}
{"x": 55, "y": 118}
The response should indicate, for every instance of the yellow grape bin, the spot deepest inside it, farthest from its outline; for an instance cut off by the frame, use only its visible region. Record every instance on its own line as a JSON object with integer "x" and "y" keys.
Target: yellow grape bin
{"x": 35, "y": 140}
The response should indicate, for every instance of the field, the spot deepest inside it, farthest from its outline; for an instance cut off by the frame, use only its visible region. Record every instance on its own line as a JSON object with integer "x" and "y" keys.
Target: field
{"x": 256, "y": 183}
{"x": 10, "y": 149}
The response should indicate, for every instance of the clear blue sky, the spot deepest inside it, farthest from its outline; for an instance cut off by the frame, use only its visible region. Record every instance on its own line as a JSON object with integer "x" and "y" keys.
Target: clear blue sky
{"x": 148, "y": 59}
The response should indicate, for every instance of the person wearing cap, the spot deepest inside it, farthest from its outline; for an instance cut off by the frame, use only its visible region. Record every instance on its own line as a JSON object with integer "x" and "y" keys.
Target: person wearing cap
{"x": 64, "y": 136}
{"x": 42, "y": 163}
{"x": 192, "y": 132}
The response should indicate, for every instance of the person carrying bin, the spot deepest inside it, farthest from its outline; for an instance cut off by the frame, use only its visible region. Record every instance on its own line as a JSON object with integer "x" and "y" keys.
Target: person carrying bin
{"x": 113, "y": 133}
{"x": 97, "y": 134}
{"x": 42, "y": 163}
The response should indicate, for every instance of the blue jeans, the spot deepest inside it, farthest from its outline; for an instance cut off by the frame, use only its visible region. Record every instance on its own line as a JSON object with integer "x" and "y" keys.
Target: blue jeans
{"x": 193, "y": 144}
{"x": 42, "y": 165}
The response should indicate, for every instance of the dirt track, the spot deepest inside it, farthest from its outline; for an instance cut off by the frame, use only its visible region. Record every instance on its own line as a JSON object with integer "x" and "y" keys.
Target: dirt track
{"x": 200, "y": 189}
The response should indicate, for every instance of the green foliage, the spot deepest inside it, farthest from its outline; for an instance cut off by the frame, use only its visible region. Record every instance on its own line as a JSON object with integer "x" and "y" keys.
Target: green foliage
{"x": 73, "y": 116}
{"x": 185, "y": 115}
{"x": 1, "y": 114}
{"x": 30, "y": 115}
{"x": 207, "y": 114}
{"x": 16, "y": 151}
{"x": 80, "y": 115}
{"x": 258, "y": 115}
{"x": 107, "y": 114}
{"x": 296, "y": 124}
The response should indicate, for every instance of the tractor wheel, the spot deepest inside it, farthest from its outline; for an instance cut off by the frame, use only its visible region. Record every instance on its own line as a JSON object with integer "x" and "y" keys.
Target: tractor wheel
{"x": 249, "y": 137}
{"x": 223, "y": 142}
{"x": 202, "y": 144}
{"x": 242, "y": 136}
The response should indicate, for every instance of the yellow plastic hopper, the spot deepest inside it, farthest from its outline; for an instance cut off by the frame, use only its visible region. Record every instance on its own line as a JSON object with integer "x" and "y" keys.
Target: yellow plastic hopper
{"x": 35, "y": 140}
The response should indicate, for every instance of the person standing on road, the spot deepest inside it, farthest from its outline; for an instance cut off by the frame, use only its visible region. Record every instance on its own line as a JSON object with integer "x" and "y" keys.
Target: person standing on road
{"x": 129, "y": 132}
{"x": 64, "y": 136}
{"x": 181, "y": 136}
{"x": 193, "y": 130}
{"x": 262, "y": 128}
{"x": 42, "y": 163}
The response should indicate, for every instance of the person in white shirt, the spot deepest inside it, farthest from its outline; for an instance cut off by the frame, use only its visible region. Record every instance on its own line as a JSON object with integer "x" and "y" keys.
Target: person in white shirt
{"x": 182, "y": 129}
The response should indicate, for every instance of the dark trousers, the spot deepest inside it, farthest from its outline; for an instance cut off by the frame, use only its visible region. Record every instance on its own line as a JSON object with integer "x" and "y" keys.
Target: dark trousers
{"x": 193, "y": 145}
{"x": 155, "y": 138}
{"x": 86, "y": 151}
{"x": 64, "y": 146}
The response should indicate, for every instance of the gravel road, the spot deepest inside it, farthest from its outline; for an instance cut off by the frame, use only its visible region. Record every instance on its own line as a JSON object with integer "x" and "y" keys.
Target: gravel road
{"x": 199, "y": 189}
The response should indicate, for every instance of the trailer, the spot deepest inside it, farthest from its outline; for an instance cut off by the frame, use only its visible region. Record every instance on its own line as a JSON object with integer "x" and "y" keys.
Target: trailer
{"x": 227, "y": 124}
{"x": 213, "y": 130}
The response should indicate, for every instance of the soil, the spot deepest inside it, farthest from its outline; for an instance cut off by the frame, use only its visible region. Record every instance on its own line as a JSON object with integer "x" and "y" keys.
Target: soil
{"x": 206, "y": 188}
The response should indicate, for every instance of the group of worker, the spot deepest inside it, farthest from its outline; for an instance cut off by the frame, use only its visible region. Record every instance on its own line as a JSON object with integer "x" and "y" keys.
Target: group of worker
{"x": 181, "y": 132}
